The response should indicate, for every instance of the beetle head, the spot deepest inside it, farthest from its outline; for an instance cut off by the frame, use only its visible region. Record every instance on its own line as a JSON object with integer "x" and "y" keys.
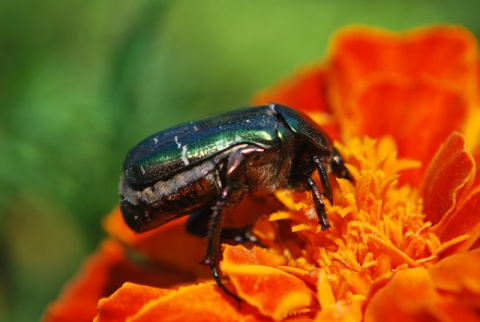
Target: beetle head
{"x": 338, "y": 168}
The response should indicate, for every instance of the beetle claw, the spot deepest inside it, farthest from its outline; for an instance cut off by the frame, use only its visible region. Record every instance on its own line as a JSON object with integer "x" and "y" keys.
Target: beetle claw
{"x": 224, "y": 288}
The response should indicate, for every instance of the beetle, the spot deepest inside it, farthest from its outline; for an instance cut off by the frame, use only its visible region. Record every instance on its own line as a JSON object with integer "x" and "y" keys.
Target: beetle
{"x": 203, "y": 167}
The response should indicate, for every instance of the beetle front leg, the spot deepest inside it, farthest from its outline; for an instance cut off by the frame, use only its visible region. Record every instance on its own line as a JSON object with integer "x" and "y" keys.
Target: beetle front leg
{"x": 327, "y": 189}
{"x": 319, "y": 205}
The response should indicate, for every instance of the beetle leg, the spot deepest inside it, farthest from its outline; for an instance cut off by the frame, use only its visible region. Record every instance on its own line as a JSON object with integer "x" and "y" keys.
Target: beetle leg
{"x": 319, "y": 205}
{"x": 213, "y": 244}
{"x": 327, "y": 189}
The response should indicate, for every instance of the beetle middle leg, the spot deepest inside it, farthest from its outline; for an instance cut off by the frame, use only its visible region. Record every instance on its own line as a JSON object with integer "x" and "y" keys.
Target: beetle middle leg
{"x": 214, "y": 236}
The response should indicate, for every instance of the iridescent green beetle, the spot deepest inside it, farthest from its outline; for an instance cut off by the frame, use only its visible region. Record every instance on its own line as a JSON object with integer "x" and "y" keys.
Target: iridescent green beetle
{"x": 202, "y": 167}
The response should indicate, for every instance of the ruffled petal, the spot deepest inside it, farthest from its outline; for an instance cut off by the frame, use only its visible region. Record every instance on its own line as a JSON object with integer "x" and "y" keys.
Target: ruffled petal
{"x": 452, "y": 169}
{"x": 282, "y": 294}
{"x": 190, "y": 303}
{"x": 449, "y": 201}
{"x": 463, "y": 222}
{"x": 127, "y": 301}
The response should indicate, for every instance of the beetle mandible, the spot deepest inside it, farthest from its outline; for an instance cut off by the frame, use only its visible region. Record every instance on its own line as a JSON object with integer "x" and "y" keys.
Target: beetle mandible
{"x": 203, "y": 167}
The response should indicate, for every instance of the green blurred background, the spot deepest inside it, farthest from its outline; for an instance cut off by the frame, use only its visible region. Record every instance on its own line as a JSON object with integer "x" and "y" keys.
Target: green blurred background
{"x": 83, "y": 81}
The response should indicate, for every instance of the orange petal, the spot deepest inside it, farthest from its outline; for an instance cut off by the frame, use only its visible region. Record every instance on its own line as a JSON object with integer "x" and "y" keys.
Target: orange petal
{"x": 419, "y": 115}
{"x": 447, "y": 53}
{"x": 381, "y": 246}
{"x": 458, "y": 278}
{"x": 275, "y": 293}
{"x": 459, "y": 273}
{"x": 464, "y": 221}
{"x": 476, "y": 157}
{"x": 325, "y": 292}
{"x": 451, "y": 169}
{"x": 409, "y": 296}
{"x": 126, "y": 301}
{"x": 190, "y": 303}
{"x": 343, "y": 312}
{"x": 448, "y": 291}
{"x": 459, "y": 310}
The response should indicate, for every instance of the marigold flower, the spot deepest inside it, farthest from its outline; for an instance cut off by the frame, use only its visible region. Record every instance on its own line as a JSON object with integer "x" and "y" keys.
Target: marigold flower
{"x": 404, "y": 242}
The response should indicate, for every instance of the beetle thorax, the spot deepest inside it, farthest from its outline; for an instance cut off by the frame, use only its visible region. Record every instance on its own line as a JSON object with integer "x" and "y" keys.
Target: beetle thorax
{"x": 269, "y": 171}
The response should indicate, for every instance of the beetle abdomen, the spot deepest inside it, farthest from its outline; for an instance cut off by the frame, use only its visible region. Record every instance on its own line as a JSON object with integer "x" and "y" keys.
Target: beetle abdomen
{"x": 165, "y": 200}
